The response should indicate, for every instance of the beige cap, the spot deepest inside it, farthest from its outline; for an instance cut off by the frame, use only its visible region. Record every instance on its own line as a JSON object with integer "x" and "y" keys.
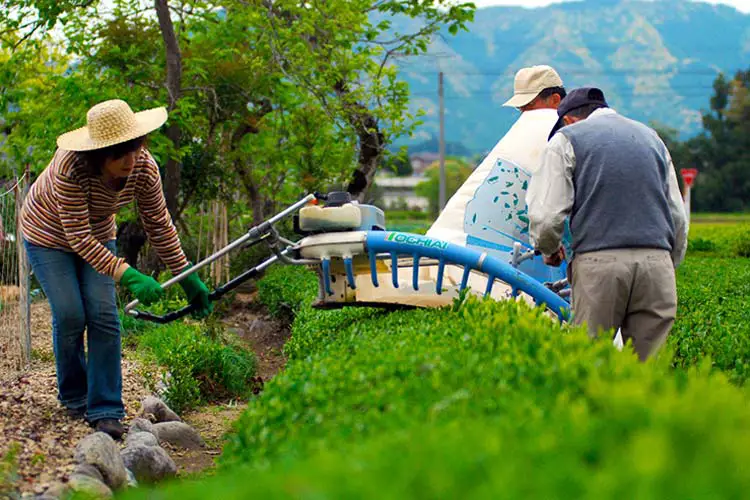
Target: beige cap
{"x": 109, "y": 123}
{"x": 530, "y": 82}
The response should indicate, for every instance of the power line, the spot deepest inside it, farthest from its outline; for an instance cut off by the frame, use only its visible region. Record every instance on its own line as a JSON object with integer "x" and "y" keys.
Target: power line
{"x": 607, "y": 72}
{"x": 666, "y": 92}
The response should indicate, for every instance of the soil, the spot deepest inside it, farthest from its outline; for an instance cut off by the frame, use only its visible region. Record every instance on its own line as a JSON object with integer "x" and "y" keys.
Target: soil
{"x": 247, "y": 319}
{"x": 40, "y": 438}
{"x": 212, "y": 422}
{"x": 266, "y": 336}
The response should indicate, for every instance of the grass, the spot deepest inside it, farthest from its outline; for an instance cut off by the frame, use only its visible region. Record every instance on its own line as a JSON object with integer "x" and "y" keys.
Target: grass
{"x": 198, "y": 367}
{"x": 730, "y": 218}
{"x": 198, "y": 362}
{"x": 408, "y": 221}
{"x": 9, "y": 468}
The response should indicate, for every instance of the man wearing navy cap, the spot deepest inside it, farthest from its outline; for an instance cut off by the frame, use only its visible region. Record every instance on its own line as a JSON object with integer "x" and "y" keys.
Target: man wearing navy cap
{"x": 615, "y": 179}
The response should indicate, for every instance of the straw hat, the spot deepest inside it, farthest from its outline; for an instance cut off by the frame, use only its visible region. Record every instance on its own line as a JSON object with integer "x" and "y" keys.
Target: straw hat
{"x": 109, "y": 123}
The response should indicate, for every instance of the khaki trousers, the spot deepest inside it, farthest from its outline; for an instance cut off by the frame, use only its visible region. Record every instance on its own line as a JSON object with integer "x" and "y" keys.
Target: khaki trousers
{"x": 633, "y": 289}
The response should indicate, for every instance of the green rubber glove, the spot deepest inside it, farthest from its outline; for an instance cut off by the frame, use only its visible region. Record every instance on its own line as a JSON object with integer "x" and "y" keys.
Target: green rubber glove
{"x": 197, "y": 293}
{"x": 145, "y": 288}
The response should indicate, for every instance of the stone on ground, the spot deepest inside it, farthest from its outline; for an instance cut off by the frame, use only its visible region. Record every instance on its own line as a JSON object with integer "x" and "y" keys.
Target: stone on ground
{"x": 78, "y": 483}
{"x": 161, "y": 412}
{"x": 132, "y": 481}
{"x": 179, "y": 434}
{"x": 85, "y": 484}
{"x": 141, "y": 425}
{"x": 101, "y": 451}
{"x": 89, "y": 470}
{"x": 140, "y": 439}
{"x": 149, "y": 464}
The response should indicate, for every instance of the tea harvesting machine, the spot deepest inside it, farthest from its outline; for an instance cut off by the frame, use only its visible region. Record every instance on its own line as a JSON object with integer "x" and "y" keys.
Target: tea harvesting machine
{"x": 361, "y": 263}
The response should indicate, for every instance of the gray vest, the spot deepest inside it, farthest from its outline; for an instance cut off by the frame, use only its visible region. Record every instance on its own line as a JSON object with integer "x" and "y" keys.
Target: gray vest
{"x": 621, "y": 183}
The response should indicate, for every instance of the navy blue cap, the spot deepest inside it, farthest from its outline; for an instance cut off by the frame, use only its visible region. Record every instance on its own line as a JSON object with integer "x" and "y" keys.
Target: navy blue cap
{"x": 577, "y": 98}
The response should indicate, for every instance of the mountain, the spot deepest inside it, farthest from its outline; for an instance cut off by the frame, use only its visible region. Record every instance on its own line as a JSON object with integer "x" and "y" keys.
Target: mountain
{"x": 655, "y": 60}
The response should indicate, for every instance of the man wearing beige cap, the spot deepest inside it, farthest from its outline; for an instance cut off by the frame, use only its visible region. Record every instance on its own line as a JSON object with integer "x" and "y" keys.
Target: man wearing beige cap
{"x": 536, "y": 87}
{"x": 488, "y": 212}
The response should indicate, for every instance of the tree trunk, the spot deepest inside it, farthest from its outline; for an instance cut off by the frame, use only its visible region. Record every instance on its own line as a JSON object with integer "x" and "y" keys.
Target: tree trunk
{"x": 174, "y": 87}
{"x": 371, "y": 142}
{"x": 257, "y": 203}
{"x": 370, "y": 151}
{"x": 130, "y": 240}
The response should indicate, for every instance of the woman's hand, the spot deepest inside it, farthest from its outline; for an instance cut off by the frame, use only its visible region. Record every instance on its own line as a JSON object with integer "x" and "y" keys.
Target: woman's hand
{"x": 145, "y": 288}
{"x": 197, "y": 294}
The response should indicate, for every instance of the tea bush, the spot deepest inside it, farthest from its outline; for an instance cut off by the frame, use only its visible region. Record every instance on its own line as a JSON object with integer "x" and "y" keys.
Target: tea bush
{"x": 380, "y": 373}
{"x": 713, "y": 315}
{"x": 701, "y": 245}
{"x": 285, "y": 289}
{"x": 722, "y": 238}
{"x": 200, "y": 368}
{"x": 742, "y": 244}
{"x": 488, "y": 400}
{"x": 199, "y": 361}
{"x": 642, "y": 438}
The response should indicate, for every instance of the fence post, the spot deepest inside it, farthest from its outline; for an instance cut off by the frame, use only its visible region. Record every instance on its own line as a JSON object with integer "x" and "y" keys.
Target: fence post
{"x": 24, "y": 332}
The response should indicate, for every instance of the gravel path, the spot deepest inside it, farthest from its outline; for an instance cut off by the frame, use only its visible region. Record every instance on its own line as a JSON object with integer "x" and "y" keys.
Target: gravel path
{"x": 34, "y": 427}
{"x": 40, "y": 438}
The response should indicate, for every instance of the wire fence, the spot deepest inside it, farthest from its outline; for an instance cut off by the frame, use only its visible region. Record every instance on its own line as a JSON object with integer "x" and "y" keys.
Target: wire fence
{"x": 15, "y": 331}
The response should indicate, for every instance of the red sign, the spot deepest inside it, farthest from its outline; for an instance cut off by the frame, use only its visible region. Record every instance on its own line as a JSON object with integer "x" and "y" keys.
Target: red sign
{"x": 688, "y": 175}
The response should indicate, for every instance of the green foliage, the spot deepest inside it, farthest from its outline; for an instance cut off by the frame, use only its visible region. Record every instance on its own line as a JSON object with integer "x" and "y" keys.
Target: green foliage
{"x": 408, "y": 221}
{"x": 678, "y": 442}
{"x": 480, "y": 400}
{"x": 287, "y": 289}
{"x": 414, "y": 215}
{"x": 713, "y": 305}
{"x": 409, "y": 226}
{"x": 456, "y": 173}
{"x": 9, "y": 468}
{"x": 701, "y": 245}
{"x": 288, "y": 293}
{"x": 199, "y": 368}
{"x": 721, "y": 153}
{"x": 723, "y": 238}
{"x": 314, "y": 329}
{"x": 372, "y": 373}
{"x": 398, "y": 164}
{"x": 275, "y": 99}
{"x": 742, "y": 244}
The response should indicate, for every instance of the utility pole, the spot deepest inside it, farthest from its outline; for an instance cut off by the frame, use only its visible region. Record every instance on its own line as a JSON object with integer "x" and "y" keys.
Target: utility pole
{"x": 441, "y": 96}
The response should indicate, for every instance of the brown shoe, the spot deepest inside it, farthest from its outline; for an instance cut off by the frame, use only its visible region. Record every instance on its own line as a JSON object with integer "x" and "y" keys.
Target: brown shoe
{"x": 75, "y": 413}
{"x": 110, "y": 426}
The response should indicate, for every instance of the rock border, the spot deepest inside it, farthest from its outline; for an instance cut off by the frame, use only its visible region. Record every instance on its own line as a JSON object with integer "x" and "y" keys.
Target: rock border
{"x": 102, "y": 467}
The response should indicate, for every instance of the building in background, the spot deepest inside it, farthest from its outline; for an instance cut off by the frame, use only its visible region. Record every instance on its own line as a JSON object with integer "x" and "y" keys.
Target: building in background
{"x": 399, "y": 193}
{"x": 422, "y": 161}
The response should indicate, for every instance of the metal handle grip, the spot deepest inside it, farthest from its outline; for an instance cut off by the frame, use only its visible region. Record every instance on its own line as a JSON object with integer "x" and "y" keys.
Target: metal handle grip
{"x": 218, "y": 293}
{"x": 254, "y": 235}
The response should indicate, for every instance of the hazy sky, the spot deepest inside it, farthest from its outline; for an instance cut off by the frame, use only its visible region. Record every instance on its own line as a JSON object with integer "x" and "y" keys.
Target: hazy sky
{"x": 742, "y": 5}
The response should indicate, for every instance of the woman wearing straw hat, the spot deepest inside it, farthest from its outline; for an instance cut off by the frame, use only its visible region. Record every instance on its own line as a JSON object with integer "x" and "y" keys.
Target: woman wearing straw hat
{"x": 68, "y": 222}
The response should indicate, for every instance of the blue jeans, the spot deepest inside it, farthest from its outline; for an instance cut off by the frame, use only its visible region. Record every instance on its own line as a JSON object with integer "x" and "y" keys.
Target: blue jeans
{"x": 81, "y": 298}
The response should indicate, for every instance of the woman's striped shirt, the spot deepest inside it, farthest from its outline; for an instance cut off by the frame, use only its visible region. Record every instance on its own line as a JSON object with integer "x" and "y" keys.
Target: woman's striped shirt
{"x": 67, "y": 209}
